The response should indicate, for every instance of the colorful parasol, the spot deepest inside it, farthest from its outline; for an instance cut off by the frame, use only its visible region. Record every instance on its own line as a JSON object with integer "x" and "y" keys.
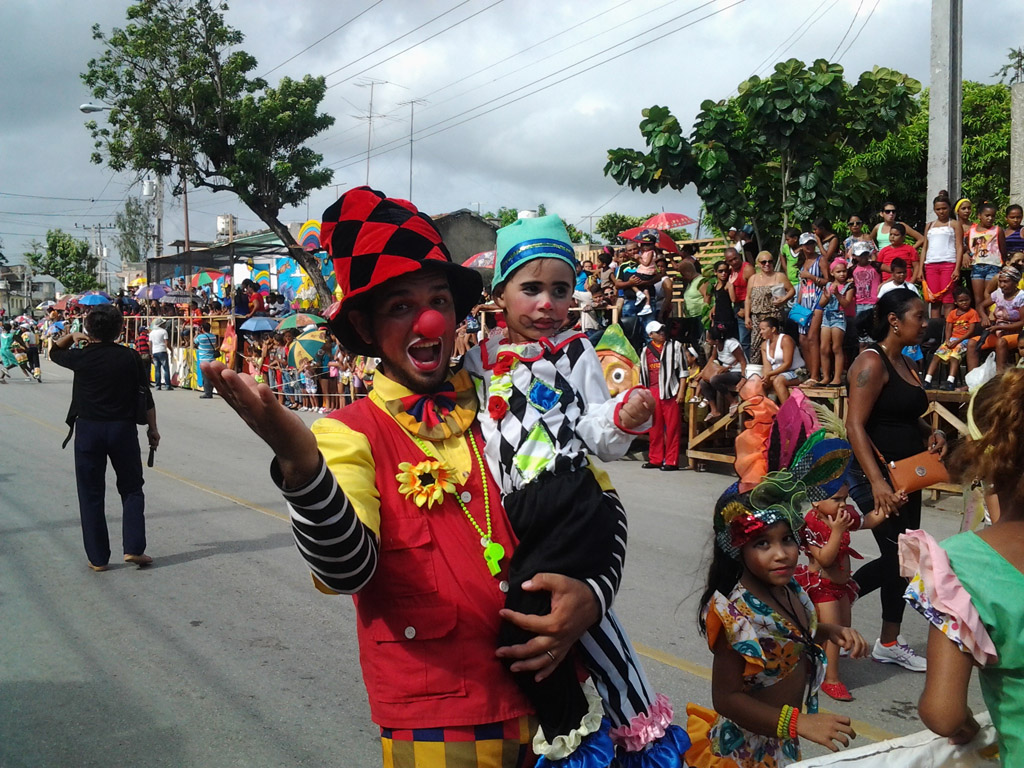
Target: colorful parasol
{"x": 305, "y": 347}
{"x": 300, "y": 320}
{"x": 206, "y": 277}
{"x": 154, "y": 291}
{"x": 483, "y": 260}
{"x": 668, "y": 221}
{"x": 665, "y": 242}
{"x": 46, "y": 304}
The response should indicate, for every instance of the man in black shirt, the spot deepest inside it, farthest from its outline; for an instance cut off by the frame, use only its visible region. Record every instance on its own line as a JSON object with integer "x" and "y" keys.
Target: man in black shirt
{"x": 110, "y": 382}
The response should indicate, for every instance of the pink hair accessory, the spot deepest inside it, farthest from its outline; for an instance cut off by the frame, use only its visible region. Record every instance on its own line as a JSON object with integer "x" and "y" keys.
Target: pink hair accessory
{"x": 839, "y": 263}
{"x": 645, "y": 728}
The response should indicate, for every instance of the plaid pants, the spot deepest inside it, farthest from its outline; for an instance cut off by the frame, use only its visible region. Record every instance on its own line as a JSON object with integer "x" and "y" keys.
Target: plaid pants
{"x": 494, "y": 745}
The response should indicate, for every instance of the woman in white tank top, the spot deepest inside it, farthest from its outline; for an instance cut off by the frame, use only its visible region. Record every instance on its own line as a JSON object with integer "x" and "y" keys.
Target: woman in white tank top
{"x": 942, "y": 255}
{"x": 784, "y": 366}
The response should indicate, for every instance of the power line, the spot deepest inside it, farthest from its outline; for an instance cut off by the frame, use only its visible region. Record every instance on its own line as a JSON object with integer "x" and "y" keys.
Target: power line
{"x": 332, "y": 32}
{"x": 815, "y": 21}
{"x": 414, "y": 45}
{"x": 375, "y": 50}
{"x": 71, "y": 199}
{"x": 628, "y": 40}
{"x": 337, "y": 136}
{"x": 556, "y": 53}
{"x": 848, "y": 47}
{"x": 780, "y": 46}
{"x": 847, "y": 32}
{"x": 528, "y": 48}
{"x": 662, "y": 36}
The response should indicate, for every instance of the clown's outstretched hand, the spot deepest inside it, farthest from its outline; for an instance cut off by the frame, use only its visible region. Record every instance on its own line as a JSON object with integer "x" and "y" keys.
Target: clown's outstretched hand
{"x": 287, "y": 435}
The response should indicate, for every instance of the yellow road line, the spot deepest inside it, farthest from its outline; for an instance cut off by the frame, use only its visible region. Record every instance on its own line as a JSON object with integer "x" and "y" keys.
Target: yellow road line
{"x": 663, "y": 657}
{"x": 866, "y": 730}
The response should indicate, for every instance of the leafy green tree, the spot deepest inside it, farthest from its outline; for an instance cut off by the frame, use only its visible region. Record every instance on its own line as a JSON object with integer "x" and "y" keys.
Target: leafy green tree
{"x": 609, "y": 226}
{"x": 769, "y": 156}
{"x": 66, "y": 258}
{"x": 3, "y": 259}
{"x": 134, "y": 238}
{"x": 1013, "y": 70}
{"x": 898, "y": 164}
{"x": 184, "y": 106}
{"x": 576, "y": 235}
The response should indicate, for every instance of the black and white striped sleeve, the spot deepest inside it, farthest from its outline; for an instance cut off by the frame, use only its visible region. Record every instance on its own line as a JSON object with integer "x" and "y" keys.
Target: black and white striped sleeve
{"x": 606, "y": 585}
{"x": 339, "y": 548}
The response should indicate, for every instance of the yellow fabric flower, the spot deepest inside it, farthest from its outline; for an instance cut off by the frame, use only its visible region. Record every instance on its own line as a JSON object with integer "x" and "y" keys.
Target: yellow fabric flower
{"x": 426, "y": 482}
{"x": 732, "y": 511}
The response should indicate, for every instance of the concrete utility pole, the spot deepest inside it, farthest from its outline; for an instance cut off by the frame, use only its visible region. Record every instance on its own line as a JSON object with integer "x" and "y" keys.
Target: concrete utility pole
{"x": 1017, "y": 143}
{"x": 944, "y": 113}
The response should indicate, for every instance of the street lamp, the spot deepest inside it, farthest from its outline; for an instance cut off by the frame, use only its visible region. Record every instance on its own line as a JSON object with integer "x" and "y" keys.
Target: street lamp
{"x": 88, "y": 108}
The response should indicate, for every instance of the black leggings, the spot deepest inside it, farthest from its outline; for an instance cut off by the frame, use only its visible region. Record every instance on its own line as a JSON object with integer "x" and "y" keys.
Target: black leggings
{"x": 884, "y": 572}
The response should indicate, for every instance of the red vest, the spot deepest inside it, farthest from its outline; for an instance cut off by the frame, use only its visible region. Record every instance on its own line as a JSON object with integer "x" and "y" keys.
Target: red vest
{"x": 428, "y": 620}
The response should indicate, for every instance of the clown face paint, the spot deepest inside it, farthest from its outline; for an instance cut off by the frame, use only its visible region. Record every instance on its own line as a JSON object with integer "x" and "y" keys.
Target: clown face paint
{"x": 414, "y": 360}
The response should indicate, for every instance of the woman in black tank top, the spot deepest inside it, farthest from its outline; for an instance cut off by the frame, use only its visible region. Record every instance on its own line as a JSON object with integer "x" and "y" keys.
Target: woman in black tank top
{"x": 885, "y": 410}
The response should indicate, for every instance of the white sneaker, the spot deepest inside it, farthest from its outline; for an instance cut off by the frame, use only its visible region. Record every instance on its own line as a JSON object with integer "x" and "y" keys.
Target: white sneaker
{"x": 901, "y": 654}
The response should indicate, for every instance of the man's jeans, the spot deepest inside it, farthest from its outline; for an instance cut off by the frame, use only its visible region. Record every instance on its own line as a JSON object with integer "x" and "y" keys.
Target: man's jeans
{"x": 162, "y": 362}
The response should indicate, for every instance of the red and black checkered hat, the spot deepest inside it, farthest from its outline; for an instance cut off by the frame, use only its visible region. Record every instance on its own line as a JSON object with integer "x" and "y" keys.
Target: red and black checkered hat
{"x": 372, "y": 239}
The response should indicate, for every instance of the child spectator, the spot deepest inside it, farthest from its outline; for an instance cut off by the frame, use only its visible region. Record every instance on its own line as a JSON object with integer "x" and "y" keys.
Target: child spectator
{"x": 309, "y": 382}
{"x": 835, "y": 299}
{"x": 664, "y": 369}
{"x": 898, "y": 270}
{"x": 987, "y": 244}
{"x": 866, "y": 281}
{"x": 961, "y": 324}
{"x": 898, "y": 249}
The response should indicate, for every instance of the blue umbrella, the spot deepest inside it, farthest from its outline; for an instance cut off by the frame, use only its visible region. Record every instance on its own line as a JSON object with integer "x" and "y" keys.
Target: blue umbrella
{"x": 92, "y": 298}
{"x": 259, "y": 324}
{"x": 56, "y": 328}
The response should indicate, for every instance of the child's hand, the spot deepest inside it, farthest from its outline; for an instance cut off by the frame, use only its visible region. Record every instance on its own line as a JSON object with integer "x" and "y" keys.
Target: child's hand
{"x": 966, "y": 732}
{"x": 824, "y": 729}
{"x": 636, "y": 409}
{"x": 848, "y": 638}
{"x": 842, "y": 521}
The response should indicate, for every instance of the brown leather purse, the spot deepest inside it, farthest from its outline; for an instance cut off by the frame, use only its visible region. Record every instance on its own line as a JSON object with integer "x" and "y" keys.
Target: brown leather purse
{"x": 916, "y": 472}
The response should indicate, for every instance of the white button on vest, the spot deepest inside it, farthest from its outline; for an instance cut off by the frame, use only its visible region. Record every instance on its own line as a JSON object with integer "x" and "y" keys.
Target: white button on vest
{"x": 503, "y": 586}
{"x": 410, "y": 633}
{"x": 466, "y": 497}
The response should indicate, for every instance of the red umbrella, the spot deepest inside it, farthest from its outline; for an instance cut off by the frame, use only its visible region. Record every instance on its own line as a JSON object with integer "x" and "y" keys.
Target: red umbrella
{"x": 668, "y": 221}
{"x": 483, "y": 260}
{"x": 665, "y": 242}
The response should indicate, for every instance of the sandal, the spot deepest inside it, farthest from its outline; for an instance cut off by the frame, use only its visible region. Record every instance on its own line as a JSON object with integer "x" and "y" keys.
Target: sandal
{"x": 837, "y": 691}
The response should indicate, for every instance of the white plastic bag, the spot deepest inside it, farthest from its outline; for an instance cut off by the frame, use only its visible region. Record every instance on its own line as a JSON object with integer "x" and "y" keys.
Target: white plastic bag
{"x": 919, "y": 750}
{"x": 982, "y": 373}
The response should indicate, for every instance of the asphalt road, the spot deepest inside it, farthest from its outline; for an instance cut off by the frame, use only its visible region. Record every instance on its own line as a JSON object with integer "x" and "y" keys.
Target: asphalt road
{"x": 222, "y": 653}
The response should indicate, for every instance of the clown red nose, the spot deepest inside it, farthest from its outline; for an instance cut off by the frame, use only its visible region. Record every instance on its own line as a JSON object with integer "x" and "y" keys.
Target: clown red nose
{"x": 429, "y": 325}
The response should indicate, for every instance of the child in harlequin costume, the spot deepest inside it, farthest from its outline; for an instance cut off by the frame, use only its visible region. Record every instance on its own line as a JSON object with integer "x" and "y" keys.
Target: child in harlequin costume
{"x": 762, "y": 626}
{"x": 545, "y": 407}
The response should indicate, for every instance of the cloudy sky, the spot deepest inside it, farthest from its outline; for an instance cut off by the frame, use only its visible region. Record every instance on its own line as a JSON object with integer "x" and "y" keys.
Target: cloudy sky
{"x": 522, "y": 98}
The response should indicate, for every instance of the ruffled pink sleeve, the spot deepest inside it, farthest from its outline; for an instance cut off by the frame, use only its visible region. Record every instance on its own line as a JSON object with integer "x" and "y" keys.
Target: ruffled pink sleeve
{"x": 937, "y": 594}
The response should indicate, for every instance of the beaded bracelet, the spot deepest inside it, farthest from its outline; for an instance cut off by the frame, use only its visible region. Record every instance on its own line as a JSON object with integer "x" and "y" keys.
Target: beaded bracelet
{"x": 782, "y": 728}
{"x": 792, "y": 723}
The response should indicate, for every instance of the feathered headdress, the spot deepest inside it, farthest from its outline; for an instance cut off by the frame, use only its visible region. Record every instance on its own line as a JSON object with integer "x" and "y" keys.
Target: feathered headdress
{"x": 807, "y": 458}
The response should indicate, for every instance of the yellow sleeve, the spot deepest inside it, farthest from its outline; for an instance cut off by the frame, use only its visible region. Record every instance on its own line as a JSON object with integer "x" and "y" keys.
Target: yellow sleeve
{"x": 348, "y": 456}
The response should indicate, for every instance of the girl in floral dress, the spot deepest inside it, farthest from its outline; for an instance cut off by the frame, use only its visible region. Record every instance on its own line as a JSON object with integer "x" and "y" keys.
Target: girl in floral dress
{"x": 764, "y": 633}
